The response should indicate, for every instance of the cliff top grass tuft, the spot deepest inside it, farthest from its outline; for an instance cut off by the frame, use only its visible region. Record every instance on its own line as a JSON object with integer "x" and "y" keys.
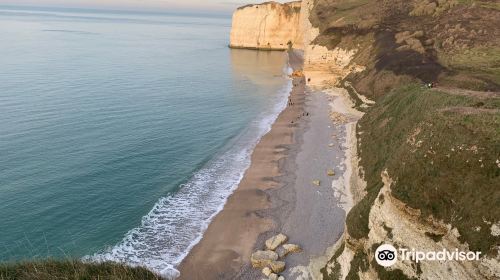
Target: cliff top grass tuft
{"x": 72, "y": 270}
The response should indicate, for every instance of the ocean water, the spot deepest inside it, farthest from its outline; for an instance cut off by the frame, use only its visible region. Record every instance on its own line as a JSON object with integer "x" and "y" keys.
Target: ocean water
{"x": 121, "y": 134}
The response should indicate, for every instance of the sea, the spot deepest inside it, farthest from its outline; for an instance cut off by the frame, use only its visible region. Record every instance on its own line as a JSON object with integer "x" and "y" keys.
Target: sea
{"x": 123, "y": 134}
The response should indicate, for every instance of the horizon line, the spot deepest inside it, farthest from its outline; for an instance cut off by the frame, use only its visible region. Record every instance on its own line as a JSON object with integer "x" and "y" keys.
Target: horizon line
{"x": 160, "y": 11}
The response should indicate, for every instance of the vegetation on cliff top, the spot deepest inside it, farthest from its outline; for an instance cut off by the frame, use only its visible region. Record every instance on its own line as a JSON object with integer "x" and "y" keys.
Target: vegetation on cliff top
{"x": 454, "y": 43}
{"x": 290, "y": 8}
{"x": 441, "y": 151}
{"x": 69, "y": 270}
{"x": 441, "y": 146}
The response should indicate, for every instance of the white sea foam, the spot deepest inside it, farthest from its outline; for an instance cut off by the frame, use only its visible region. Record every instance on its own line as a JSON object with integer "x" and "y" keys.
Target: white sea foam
{"x": 177, "y": 222}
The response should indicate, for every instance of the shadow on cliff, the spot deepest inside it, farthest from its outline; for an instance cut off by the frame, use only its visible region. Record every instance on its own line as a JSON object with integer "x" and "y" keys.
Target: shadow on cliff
{"x": 423, "y": 66}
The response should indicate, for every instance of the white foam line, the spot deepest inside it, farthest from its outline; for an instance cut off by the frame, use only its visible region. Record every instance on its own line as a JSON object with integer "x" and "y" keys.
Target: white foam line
{"x": 177, "y": 222}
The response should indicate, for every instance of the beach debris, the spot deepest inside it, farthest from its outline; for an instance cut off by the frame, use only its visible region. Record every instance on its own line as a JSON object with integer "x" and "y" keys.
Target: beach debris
{"x": 277, "y": 266}
{"x": 330, "y": 172}
{"x": 286, "y": 249}
{"x": 275, "y": 241}
{"x": 273, "y": 276}
{"x": 267, "y": 271}
{"x": 316, "y": 182}
{"x": 261, "y": 259}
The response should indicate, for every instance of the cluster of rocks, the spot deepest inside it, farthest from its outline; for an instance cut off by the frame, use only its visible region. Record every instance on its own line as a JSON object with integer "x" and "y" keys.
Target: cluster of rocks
{"x": 271, "y": 260}
{"x": 329, "y": 172}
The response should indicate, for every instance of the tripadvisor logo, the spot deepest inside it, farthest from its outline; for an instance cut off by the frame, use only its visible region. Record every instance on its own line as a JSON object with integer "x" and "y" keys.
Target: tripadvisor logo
{"x": 386, "y": 255}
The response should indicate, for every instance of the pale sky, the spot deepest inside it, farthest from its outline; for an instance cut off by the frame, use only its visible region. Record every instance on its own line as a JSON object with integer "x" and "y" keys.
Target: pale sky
{"x": 225, "y": 6}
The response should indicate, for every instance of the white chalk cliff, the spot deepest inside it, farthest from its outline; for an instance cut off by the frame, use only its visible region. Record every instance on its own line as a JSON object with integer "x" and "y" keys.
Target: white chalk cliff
{"x": 267, "y": 26}
{"x": 276, "y": 26}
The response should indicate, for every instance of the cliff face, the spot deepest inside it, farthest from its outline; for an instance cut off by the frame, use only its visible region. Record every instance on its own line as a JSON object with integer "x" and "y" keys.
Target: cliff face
{"x": 392, "y": 221}
{"x": 267, "y": 26}
{"x": 436, "y": 198}
{"x": 430, "y": 169}
{"x": 323, "y": 67}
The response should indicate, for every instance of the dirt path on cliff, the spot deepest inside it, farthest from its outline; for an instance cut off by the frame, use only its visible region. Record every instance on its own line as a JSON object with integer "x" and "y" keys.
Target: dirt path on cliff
{"x": 470, "y": 93}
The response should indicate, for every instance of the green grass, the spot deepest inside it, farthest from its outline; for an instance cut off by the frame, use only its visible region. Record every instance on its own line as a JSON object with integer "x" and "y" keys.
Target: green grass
{"x": 72, "y": 270}
{"x": 358, "y": 263}
{"x": 335, "y": 272}
{"x": 451, "y": 174}
{"x": 344, "y": 10}
{"x": 482, "y": 3}
{"x": 385, "y": 274}
{"x": 480, "y": 63}
{"x": 341, "y": 13}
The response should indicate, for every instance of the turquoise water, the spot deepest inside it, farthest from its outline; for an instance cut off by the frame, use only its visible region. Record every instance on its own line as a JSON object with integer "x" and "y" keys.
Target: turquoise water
{"x": 121, "y": 135}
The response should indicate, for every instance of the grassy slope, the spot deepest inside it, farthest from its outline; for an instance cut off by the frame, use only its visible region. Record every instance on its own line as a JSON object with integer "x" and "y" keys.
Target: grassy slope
{"x": 441, "y": 150}
{"x": 69, "y": 270}
{"x": 440, "y": 147}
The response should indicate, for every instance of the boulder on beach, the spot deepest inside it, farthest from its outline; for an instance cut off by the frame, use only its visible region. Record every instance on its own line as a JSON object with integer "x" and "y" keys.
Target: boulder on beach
{"x": 316, "y": 182}
{"x": 291, "y": 248}
{"x": 286, "y": 249}
{"x": 277, "y": 266}
{"x": 281, "y": 278}
{"x": 275, "y": 241}
{"x": 330, "y": 172}
{"x": 261, "y": 259}
{"x": 267, "y": 271}
{"x": 273, "y": 276}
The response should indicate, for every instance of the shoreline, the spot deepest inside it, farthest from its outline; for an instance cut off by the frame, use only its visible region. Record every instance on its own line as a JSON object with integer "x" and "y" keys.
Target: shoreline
{"x": 276, "y": 195}
{"x": 226, "y": 246}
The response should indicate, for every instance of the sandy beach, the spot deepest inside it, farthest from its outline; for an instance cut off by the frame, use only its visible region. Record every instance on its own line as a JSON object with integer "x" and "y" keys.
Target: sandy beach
{"x": 277, "y": 195}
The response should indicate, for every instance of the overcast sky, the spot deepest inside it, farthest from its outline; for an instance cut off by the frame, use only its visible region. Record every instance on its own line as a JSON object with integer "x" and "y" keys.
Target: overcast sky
{"x": 224, "y": 6}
